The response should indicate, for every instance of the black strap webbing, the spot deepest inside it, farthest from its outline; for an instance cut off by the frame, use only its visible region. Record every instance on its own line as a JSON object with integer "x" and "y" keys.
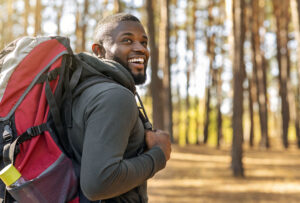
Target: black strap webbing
{"x": 75, "y": 77}
{"x": 143, "y": 114}
{"x": 52, "y": 75}
{"x": 32, "y": 132}
{"x": 5, "y": 154}
{"x": 9, "y": 149}
{"x": 55, "y": 113}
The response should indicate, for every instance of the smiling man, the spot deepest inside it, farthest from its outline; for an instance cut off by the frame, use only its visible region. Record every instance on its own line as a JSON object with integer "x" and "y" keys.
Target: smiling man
{"x": 108, "y": 136}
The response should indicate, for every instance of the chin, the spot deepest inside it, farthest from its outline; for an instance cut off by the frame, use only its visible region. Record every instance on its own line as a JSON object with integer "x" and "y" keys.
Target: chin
{"x": 139, "y": 79}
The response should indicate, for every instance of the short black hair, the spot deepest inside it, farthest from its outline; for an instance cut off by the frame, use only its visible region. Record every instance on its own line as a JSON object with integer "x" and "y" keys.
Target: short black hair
{"x": 101, "y": 27}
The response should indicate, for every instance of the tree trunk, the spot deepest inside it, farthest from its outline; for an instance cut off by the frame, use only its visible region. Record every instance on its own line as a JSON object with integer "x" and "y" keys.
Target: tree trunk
{"x": 156, "y": 82}
{"x": 207, "y": 113}
{"x": 197, "y": 104}
{"x": 250, "y": 78}
{"x": 165, "y": 64}
{"x": 281, "y": 13}
{"x": 259, "y": 71}
{"x": 252, "y": 92}
{"x": 77, "y": 29}
{"x": 211, "y": 54}
{"x": 238, "y": 77}
{"x": 210, "y": 51}
{"x": 26, "y": 14}
{"x": 295, "y": 9}
{"x": 8, "y": 28}
{"x": 81, "y": 25}
{"x": 187, "y": 104}
{"x": 194, "y": 64}
{"x": 58, "y": 18}
{"x": 38, "y": 18}
{"x": 179, "y": 110}
{"x": 84, "y": 23}
{"x": 117, "y": 6}
{"x": 219, "y": 102}
{"x": 188, "y": 74}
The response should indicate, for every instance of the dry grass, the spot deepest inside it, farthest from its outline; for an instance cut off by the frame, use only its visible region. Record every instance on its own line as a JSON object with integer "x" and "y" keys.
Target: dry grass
{"x": 202, "y": 174}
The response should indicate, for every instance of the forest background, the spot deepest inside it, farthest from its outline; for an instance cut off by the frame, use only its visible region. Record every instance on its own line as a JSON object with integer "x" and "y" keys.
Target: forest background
{"x": 222, "y": 73}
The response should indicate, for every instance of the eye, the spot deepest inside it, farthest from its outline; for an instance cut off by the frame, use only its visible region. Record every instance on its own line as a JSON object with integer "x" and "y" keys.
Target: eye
{"x": 127, "y": 40}
{"x": 144, "y": 43}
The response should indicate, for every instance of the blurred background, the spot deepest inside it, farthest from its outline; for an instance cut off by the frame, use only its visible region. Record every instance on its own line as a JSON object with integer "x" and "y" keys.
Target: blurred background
{"x": 223, "y": 79}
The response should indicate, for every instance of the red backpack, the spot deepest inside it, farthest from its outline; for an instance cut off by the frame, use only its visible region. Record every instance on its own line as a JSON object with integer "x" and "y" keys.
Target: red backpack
{"x": 35, "y": 82}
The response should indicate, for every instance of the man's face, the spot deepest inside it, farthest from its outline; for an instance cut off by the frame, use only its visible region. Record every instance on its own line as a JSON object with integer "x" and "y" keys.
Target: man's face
{"x": 127, "y": 45}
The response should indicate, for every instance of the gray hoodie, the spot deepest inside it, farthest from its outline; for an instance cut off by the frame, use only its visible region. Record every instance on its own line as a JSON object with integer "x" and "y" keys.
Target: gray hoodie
{"x": 107, "y": 138}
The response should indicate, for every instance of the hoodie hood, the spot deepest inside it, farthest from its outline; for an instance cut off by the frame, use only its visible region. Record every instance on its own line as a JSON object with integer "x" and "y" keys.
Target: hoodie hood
{"x": 108, "y": 68}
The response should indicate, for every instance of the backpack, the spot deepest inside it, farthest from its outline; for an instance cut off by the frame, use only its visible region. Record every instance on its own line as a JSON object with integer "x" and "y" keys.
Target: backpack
{"x": 37, "y": 75}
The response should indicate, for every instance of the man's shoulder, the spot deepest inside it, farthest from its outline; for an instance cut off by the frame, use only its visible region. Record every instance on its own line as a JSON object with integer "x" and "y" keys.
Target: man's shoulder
{"x": 106, "y": 92}
{"x": 107, "y": 88}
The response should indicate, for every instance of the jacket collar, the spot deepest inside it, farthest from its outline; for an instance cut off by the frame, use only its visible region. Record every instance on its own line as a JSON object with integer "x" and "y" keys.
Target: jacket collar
{"x": 111, "y": 69}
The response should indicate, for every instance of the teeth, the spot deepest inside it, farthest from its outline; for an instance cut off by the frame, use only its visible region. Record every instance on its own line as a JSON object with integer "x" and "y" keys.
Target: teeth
{"x": 136, "y": 60}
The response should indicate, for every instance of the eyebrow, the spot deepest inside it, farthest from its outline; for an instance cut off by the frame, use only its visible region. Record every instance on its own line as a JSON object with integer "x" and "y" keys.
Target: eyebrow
{"x": 130, "y": 34}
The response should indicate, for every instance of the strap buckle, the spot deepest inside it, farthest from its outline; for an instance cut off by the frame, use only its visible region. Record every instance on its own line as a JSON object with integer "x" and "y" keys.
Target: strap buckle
{"x": 34, "y": 131}
{"x": 7, "y": 134}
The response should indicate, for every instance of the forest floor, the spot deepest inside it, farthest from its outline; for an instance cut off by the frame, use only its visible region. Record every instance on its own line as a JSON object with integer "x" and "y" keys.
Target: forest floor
{"x": 202, "y": 174}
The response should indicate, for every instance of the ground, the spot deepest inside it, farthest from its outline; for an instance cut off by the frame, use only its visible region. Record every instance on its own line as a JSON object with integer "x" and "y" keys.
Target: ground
{"x": 203, "y": 174}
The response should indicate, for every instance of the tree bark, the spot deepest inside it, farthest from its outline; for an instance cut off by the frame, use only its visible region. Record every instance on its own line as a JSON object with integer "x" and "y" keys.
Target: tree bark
{"x": 197, "y": 103}
{"x": 259, "y": 71}
{"x": 38, "y": 18}
{"x": 281, "y": 13}
{"x": 187, "y": 104}
{"x": 252, "y": 92}
{"x": 84, "y": 23}
{"x": 238, "y": 77}
{"x": 295, "y": 9}
{"x": 156, "y": 82}
{"x": 218, "y": 84}
{"x": 8, "y": 28}
{"x": 26, "y": 14}
{"x": 219, "y": 102}
{"x": 179, "y": 110}
{"x": 165, "y": 64}
{"x": 250, "y": 77}
{"x": 77, "y": 29}
{"x": 189, "y": 43}
{"x": 207, "y": 113}
{"x": 117, "y": 6}
{"x": 210, "y": 51}
{"x": 211, "y": 54}
{"x": 58, "y": 18}
{"x": 194, "y": 64}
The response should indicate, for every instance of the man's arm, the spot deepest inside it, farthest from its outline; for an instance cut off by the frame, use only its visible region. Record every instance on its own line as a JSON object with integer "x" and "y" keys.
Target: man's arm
{"x": 110, "y": 118}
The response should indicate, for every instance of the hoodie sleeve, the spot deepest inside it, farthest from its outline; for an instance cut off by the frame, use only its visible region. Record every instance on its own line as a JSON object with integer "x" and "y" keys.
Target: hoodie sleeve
{"x": 110, "y": 117}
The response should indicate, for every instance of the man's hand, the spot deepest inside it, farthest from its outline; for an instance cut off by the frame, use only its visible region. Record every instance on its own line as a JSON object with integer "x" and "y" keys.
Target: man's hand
{"x": 159, "y": 138}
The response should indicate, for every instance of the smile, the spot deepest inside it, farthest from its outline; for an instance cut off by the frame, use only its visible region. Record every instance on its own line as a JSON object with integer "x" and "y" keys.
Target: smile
{"x": 136, "y": 60}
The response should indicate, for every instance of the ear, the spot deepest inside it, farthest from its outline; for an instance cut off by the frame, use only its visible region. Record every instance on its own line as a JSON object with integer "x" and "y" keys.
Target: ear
{"x": 99, "y": 50}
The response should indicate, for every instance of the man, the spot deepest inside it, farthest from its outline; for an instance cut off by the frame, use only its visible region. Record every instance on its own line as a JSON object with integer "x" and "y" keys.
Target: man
{"x": 114, "y": 162}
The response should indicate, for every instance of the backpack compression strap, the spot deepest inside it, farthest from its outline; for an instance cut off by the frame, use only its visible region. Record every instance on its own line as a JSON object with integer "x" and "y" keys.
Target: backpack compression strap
{"x": 9, "y": 150}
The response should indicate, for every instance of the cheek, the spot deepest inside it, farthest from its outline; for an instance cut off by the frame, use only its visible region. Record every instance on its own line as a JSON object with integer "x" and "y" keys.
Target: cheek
{"x": 110, "y": 51}
{"x": 147, "y": 53}
{"x": 120, "y": 52}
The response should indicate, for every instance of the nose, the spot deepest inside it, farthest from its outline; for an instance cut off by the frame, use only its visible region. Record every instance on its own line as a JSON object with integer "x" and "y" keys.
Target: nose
{"x": 139, "y": 47}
